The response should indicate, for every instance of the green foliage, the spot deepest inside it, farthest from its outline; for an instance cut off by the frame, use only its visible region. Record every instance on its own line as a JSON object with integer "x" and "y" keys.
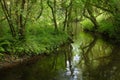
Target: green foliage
{"x": 1, "y": 56}
{"x": 39, "y": 33}
{"x": 87, "y": 24}
{"x": 106, "y": 25}
{"x": 43, "y": 39}
{"x": 38, "y": 40}
{"x": 38, "y": 21}
{"x": 5, "y": 45}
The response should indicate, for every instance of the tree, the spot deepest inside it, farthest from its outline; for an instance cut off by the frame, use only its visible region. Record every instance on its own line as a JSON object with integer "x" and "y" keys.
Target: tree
{"x": 7, "y": 11}
{"x": 88, "y": 13}
{"x": 53, "y": 6}
{"x": 17, "y": 13}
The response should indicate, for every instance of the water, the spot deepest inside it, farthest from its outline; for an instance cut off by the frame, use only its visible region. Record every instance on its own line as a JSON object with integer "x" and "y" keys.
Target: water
{"x": 88, "y": 58}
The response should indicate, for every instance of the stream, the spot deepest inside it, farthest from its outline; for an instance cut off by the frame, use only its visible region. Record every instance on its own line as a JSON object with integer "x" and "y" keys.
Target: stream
{"x": 88, "y": 58}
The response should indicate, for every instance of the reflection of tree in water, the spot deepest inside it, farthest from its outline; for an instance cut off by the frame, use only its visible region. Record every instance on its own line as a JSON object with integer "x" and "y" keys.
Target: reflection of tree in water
{"x": 65, "y": 49}
{"x": 71, "y": 61}
{"x": 86, "y": 49}
{"x": 68, "y": 57}
{"x": 109, "y": 67}
{"x": 54, "y": 60}
{"x": 111, "y": 70}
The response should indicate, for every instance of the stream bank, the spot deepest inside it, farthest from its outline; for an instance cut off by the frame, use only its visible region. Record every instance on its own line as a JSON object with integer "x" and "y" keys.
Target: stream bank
{"x": 9, "y": 61}
{"x": 88, "y": 58}
{"x": 25, "y": 51}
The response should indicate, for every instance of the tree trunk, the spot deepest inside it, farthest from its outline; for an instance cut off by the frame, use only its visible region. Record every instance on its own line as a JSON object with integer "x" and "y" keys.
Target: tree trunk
{"x": 93, "y": 19}
{"x": 8, "y": 17}
{"x": 88, "y": 8}
{"x": 69, "y": 28}
{"x": 53, "y": 9}
{"x": 65, "y": 21}
{"x": 22, "y": 27}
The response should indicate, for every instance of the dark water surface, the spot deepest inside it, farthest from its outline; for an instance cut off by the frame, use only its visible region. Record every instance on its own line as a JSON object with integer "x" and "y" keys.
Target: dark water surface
{"x": 88, "y": 58}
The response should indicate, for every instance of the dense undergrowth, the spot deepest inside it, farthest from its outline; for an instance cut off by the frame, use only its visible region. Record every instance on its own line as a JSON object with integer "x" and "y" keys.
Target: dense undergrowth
{"x": 38, "y": 40}
{"x": 106, "y": 27}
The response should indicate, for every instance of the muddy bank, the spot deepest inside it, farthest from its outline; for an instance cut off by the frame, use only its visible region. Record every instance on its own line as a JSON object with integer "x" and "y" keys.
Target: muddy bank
{"x": 10, "y": 61}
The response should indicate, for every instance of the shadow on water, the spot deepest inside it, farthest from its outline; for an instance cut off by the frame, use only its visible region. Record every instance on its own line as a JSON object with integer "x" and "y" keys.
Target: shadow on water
{"x": 88, "y": 58}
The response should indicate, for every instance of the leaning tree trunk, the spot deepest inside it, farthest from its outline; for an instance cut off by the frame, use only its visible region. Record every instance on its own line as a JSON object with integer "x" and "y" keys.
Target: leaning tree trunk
{"x": 93, "y": 19}
{"x": 7, "y": 14}
{"x": 90, "y": 16}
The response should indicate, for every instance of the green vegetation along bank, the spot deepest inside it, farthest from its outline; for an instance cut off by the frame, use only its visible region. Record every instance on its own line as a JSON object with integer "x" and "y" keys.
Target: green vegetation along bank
{"x": 38, "y": 41}
{"x": 32, "y": 27}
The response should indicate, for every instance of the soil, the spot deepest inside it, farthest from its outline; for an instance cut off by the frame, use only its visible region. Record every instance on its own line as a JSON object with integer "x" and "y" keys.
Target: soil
{"x": 8, "y": 61}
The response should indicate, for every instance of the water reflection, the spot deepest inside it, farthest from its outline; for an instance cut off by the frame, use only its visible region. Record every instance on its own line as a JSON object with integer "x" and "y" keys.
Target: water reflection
{"x": 110, "y": 70}
{"x": 100, "y": 60}
{"x": 71, "y": 61}
{"x": 89, "y": 58}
